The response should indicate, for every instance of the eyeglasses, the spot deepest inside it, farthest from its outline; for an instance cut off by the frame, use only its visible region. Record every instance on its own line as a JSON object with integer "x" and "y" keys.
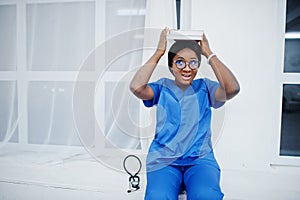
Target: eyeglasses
{"x": 193, "y": 64}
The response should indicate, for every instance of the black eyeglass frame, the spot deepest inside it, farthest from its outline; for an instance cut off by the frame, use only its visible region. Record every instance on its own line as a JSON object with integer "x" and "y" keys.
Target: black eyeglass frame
{"x": 186, "y": 63}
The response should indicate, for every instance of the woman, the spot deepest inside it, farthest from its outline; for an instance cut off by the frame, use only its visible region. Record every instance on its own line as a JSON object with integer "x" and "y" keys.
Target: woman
{"x": 181, "y": 153}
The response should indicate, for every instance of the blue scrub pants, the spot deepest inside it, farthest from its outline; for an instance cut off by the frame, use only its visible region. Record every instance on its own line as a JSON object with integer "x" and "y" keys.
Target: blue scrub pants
{"x": 201, "y": 182}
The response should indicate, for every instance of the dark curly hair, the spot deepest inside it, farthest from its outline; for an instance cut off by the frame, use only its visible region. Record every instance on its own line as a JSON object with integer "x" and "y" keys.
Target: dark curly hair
{"x": 182, "y": 44}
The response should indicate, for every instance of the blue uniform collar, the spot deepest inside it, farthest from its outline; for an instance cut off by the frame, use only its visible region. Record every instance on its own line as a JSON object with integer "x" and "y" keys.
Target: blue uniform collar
{"x": 190, "y": 90}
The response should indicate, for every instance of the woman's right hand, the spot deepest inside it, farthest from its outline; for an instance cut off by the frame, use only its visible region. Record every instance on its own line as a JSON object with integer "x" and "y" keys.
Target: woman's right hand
{"x": 162, "y": 44}
{"x": 139, "y": 84}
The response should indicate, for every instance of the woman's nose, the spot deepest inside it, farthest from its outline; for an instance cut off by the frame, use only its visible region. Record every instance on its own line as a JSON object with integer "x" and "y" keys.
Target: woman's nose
{"x": 187, "y": 67}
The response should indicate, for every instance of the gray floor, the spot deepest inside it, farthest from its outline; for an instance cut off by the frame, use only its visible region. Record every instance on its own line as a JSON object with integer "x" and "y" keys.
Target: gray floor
{"x": 30, "y": 176}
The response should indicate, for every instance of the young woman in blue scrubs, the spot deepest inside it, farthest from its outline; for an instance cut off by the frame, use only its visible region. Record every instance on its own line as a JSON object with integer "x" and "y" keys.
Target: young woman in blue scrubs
{"x": 181, "y": 152}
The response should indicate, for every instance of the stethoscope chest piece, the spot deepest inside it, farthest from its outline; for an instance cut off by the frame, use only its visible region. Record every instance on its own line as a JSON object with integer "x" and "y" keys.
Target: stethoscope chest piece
{"x": 134, "y": 179}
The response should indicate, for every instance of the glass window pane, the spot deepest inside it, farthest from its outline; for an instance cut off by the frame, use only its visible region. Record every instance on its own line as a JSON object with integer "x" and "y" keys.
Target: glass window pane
{"x": 8, "y": 37}
{"x": 292, "y": 41}
{"x": 59, "y": 35}
{"x": 9, "y": 111}
{"x": 129, "y": 61}
{"x": 125, "y": 16}
{"x": 50, "y": 116}
{"x": 121, "y": 128}
{"x": 290, "y": 121}
{"x": 292, "y": 16}
{"x": 292, "y": 55}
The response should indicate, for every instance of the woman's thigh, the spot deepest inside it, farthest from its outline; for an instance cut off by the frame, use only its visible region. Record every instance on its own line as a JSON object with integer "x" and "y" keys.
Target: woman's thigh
{"x": 163, "y": 184}
{"x": 203, "y": 182}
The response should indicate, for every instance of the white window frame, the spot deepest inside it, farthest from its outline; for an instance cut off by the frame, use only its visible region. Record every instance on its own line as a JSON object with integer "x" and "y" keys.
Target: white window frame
{"x": 283, "y": 78}
{"x": 23, "y": 76}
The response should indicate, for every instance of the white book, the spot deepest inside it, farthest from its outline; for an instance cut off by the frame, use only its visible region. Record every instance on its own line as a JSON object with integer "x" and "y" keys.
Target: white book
{"x": 185, "y": 34}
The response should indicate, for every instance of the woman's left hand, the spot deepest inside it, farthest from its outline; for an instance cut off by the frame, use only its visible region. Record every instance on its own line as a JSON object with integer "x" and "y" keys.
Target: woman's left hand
{"x": 205, "y": 46}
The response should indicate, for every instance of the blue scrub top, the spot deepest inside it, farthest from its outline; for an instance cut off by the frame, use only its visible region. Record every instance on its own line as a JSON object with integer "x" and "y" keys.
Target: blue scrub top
{"x": 183, "y": 119}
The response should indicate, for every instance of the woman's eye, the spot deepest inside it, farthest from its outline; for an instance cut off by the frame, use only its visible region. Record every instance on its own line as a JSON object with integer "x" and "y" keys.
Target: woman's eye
{"x": 180, "y": 62}
{"x": 194, "y": 62}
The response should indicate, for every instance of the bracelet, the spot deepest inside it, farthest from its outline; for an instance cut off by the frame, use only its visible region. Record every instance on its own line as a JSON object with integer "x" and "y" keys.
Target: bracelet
{"x": 209, "y": 57}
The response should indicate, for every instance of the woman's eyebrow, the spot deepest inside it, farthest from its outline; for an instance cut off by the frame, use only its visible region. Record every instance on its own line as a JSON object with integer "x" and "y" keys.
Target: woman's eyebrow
{"x": 192, "y": 58}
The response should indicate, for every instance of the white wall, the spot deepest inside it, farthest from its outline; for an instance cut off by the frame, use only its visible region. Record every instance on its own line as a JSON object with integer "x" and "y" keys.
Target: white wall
{"x": 248, "y": 37}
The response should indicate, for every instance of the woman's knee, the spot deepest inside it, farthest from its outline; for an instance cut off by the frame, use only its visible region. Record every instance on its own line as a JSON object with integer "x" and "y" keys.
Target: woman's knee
{"x": 163, "y": 184}
{"x": 207, "y": 193}
{"x": 160, "y": 195}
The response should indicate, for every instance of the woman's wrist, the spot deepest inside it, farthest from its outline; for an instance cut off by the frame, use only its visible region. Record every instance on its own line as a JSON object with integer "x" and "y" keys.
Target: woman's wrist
{"x": 210, "y": 57}
{"x": 207, "y": 53}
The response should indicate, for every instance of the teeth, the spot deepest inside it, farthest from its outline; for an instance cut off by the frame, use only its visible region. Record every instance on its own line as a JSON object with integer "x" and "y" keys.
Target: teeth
{"x": 186, "y": 77}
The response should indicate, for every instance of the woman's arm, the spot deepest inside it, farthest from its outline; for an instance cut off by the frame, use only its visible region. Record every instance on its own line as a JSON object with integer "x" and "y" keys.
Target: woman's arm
{"x": 139, "y": 83}
{"x": 229, "y": 86}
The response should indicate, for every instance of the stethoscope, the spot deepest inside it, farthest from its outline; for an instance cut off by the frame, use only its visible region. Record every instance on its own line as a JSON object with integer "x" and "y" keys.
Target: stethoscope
{"x": 134, "y": 179}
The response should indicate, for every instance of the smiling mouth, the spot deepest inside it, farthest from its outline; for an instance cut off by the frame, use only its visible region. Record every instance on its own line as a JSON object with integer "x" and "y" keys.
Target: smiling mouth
{"x": 186, "y": 77}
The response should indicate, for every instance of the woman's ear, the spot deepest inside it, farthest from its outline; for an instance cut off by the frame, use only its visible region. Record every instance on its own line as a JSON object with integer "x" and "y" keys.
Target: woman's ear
{"x": 171, "y": 70}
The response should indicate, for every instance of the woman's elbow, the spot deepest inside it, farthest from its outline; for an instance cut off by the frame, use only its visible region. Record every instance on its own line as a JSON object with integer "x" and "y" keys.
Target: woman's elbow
{"x": 137, "y": 91}
{"x": 232, "y": 92}
{"x": 132, "y": 88}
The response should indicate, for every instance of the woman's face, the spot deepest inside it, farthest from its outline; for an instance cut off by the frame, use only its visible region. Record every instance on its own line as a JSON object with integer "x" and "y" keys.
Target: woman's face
{"x": 185, "y": 76}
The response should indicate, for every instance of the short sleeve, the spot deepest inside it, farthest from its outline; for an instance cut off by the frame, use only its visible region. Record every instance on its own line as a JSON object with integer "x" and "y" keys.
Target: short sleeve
{"x": 156, "y": 87}
{"x": 212, "y": 87}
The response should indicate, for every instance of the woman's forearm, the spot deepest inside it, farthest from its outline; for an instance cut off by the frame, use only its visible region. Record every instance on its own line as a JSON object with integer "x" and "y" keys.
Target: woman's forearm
{"x": 143, "y": 75}
{"x": 226, "y": 78}
{"x": 139, "y": 83}
{"x": 229, "y": 86}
